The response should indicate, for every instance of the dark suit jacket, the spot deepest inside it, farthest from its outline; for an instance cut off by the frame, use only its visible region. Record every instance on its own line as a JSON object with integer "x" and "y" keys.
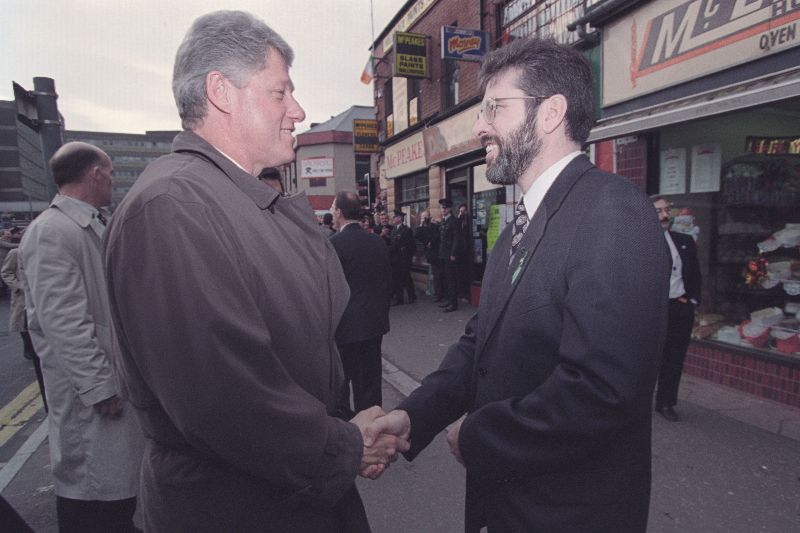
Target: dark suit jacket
{"x": 403, "y": 246}
{"x": 690, "y": 271}
{"x": 365, "y": 261}
{"x": 450, "y": 238}
{"x": 556, "y": 370}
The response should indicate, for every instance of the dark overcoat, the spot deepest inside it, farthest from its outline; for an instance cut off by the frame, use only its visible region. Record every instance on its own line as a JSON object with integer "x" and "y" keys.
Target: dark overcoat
{"x": 226, "y": 297}
{"x": 556, "y": 370}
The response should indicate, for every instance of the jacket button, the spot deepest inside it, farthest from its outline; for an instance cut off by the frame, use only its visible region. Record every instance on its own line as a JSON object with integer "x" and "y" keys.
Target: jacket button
{"x": 482, "y": 372}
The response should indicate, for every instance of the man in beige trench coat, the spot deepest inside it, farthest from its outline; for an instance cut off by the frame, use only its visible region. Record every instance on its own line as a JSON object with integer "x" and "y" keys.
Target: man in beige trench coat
{"x": 96, "y": 445}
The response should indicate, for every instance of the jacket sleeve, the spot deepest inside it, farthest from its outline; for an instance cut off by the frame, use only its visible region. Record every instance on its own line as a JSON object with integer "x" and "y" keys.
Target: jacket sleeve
{"x": 691, "y": 271}
{"x": 190, "y": 321}
{"x": 613, "y": 322}
{"x": 8, "y": 272}
{"x": 56, "y": 285}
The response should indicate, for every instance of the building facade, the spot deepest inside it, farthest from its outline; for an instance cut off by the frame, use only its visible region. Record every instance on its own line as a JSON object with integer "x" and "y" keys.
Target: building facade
{"x": 130, "y": 153}
{"x": 326, "y": 161}
{"x": 702, "y": 106}
{"x": 428, "y": 151}
{"x": 23, "y": 173}
{"x": 696, "y": 101}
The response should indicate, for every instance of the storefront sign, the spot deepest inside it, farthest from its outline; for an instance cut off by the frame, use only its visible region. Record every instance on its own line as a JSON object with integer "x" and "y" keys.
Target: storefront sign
{"x": 673, "y": 171}
{"x": 452, "y": 137}
{"x": 405, "y": 157}
{"x": 464, "y": 44}
{"x": 706, "y": 166}
{"x": 667, "y": 44}
{"x": 316, "y": 167}
{"x": 411, "y": 55}
{"x": 413, "y": 14}
{"x": 365, "y": 135}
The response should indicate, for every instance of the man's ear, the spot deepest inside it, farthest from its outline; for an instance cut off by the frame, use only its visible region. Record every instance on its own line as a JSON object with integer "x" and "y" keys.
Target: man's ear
{"x": 219, "y": 91}
{"x": 552, "y": 112}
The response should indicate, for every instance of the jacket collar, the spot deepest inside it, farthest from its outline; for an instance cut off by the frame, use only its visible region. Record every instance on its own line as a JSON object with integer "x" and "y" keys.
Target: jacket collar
{"x": 262, "y": 194}
{"x": 81, "y": 213}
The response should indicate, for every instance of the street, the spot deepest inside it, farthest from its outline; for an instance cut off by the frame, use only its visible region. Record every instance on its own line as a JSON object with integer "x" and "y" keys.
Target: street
{"x": 732, "y": 464}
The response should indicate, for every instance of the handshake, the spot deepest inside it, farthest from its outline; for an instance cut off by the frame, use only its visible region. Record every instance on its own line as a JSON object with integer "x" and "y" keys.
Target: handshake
{"x": 384, "y": 435}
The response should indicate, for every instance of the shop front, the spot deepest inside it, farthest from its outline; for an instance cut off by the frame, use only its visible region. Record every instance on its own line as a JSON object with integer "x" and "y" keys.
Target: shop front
{"x": 723, "y": 146}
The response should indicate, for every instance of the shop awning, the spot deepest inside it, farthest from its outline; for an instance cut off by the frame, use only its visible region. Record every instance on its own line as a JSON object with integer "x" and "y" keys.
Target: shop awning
{"x": 751, "y": 93}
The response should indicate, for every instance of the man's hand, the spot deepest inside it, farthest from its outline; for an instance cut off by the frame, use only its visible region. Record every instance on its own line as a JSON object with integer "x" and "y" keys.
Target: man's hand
{"x": 109, "y": 407}
{"x": 452, "y": 440}
{"x": 380, "y": 449}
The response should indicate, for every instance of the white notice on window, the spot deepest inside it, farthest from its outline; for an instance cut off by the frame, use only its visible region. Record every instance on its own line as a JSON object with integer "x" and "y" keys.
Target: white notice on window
{"x": 706, "y": 166}
{"x": 673, "y": 171}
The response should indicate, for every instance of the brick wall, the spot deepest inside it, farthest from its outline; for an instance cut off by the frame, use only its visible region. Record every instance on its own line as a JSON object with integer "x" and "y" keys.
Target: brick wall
{"x": 766, "y": 377}
{"x": 466, "y": 13}
{"x": 632, "y": 161}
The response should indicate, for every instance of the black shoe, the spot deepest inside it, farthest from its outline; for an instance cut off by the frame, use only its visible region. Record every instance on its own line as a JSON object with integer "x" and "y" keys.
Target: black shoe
{"x": 412, "y": 300}
{"x": 450, "y": 308}
{"x": 438, "y": 299}
{"x": 668, "y": 413}
{"x": 446, "y": 304}
{"x": 397, "y": 302}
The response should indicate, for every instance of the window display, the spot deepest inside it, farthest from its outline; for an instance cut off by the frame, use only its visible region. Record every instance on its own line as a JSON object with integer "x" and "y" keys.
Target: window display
{"x": 755, "y": 260}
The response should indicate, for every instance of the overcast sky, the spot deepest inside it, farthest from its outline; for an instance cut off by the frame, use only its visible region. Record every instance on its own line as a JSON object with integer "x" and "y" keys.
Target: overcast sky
{"x": 112, "y": 59}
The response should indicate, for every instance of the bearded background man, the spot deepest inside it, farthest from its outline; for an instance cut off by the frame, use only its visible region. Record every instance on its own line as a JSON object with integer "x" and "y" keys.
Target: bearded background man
{"x": 556, "y": 370}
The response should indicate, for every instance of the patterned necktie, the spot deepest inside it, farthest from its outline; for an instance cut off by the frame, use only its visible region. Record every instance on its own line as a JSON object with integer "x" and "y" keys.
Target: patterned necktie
{"x": 101, "y": 218}
{"x": 521, "y": 221}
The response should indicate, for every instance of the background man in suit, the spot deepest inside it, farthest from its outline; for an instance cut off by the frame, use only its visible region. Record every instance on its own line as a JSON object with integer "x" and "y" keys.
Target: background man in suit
{"x": 96, "y": 445}
{"x": 401, "y": 253}
{"x": 684, "y": 296}
{"x": 556, "y": 370}
{"x": 365, "y": 261}
{"x": 449, "y": 253}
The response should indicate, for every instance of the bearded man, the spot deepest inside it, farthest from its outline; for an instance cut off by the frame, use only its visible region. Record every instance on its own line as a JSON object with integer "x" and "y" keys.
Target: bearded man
{"x": 555, "y": 372}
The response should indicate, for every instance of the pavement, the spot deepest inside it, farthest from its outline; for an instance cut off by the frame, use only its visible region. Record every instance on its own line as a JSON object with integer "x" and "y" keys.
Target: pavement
{"x": 731, "y": 464}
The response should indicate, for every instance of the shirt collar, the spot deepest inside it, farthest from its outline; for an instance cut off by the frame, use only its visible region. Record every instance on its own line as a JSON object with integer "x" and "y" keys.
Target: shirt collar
{"x": 348, "y": 224}
{"x": 229, "y": 158}
{"x": 542, "y": 184}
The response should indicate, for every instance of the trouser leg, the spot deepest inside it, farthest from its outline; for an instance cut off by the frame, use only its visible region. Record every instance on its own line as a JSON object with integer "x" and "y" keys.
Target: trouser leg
{"x": 93, "y": 516}
{"x": 679, "y": 331}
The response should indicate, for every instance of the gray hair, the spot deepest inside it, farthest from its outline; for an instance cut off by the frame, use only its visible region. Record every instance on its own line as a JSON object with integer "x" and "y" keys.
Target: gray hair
{"x": 234, "y": 43}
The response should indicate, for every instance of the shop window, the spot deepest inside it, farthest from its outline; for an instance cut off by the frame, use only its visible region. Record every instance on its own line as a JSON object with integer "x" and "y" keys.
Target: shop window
{"x": 546, "y": 18}
{"x": 414, "y": 106}
{"x": 388, "y": 109}
{"x": 737, "y": 192}
{"x": 413, "y": 198}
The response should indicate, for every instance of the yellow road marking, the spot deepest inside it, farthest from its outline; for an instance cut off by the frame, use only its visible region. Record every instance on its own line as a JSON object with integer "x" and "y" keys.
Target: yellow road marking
{"x": 19, "y": 410}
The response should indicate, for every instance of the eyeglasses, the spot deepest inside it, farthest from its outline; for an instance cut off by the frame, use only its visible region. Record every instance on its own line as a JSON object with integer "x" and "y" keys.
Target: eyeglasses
{"x": 489, "y": 106}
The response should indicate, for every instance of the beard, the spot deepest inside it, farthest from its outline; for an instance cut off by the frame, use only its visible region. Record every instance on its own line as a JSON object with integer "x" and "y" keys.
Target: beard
{"x": 514, "y": 154}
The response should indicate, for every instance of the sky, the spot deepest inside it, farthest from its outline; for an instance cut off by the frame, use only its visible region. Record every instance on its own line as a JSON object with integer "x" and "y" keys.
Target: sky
{"x": 112, "y": 59}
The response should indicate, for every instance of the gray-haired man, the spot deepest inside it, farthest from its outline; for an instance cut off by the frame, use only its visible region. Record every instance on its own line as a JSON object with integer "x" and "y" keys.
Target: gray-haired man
{"x": 226, "y": 296}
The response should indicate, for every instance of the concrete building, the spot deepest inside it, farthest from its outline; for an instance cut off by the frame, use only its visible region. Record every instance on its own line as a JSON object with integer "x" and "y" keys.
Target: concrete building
{"x": 23, "y": 175}
{"x": 129, "y": 152}
{"x": 326, "y": 161}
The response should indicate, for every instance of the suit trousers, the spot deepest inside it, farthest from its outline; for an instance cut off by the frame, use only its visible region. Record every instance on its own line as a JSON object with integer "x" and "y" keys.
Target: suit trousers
{"x": 450, "y": 271}
{"x": 362, "y": 367}
{"x": 94, "y": 516}
{"x": 679, "y": 331}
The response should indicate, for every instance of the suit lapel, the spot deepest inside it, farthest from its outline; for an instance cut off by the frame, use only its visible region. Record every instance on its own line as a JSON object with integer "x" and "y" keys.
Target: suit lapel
{"x": 507, "y": 279}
